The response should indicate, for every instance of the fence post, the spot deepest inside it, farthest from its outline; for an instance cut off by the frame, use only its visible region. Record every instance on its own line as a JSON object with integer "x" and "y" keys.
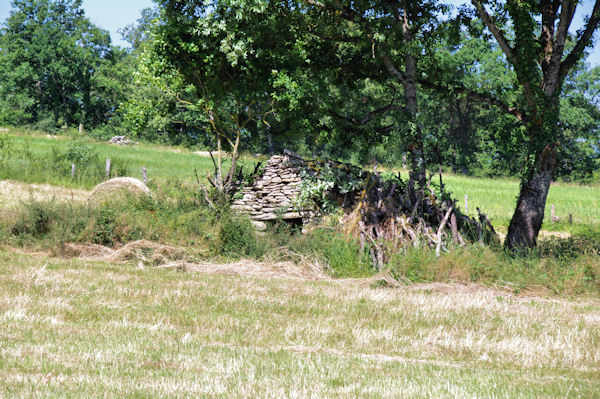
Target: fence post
{"x": 107, "y": 167}
{"x": 73, "y": 170}
{"x": 145, "y": 175}
{"x": 466, "y": 203}
{"x": 570, "y": 218}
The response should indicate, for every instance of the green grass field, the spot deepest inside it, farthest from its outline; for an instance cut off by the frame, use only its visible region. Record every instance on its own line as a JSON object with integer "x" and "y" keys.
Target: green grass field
{"x": 495, "y": 197}
{"x": 162, "y": 163}
{"x": 73, "y": 328}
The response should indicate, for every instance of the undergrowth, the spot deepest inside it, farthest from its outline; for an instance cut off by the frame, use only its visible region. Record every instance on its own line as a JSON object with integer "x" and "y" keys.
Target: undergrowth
{"x": 543, "y": 274}
{"x": 177, "y": 215}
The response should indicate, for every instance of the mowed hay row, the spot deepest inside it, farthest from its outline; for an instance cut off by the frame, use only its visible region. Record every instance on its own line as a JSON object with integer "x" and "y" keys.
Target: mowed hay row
{"x": 148, "y": 253}
{"x": 85, "y": 328}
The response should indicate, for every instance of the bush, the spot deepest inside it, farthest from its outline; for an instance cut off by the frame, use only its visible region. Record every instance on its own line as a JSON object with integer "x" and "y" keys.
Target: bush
{"x": 80, "y": 153}
{"x": 35, "y": 219}
{"x": 5, "y": 145}
{"x": 236, "y": 238}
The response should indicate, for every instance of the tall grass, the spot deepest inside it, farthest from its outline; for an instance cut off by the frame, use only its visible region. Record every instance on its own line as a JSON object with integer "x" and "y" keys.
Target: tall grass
{"x": 560, "y": 267}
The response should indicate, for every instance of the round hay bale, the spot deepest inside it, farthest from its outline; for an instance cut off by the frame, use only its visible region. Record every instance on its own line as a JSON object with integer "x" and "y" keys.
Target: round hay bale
{"x": 119, "y": 188}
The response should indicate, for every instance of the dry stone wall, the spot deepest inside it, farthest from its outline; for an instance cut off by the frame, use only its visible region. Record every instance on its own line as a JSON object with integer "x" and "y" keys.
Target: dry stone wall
{"x": 274, "y": 193}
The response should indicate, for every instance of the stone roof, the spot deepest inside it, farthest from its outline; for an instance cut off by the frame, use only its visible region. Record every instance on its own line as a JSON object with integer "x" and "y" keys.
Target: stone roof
{"x": 274, "y": 193}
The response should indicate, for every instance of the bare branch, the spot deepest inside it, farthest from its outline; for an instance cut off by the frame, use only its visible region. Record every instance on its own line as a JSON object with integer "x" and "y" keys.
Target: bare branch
{"x": 389, "y": 65}
{"x": 369, "y": 117}
{"x": 440, "y": 229}
{"x": 583, "y": 42}
{"x": 500, "y": 38}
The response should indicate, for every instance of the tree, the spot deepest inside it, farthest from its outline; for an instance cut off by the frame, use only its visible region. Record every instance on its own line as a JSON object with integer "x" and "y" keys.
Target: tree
{"x": 578, "y": 157}
{"x": 51, "y": 59}
{"x": 230, "y": 78}
{"x": 388, "y": 42}
{"x": 536, "y": 50}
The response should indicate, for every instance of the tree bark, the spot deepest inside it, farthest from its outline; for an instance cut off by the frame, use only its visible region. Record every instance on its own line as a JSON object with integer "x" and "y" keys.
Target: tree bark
{"x": 415, "y": 144}
{"x": 270, "y": 141}
{"x": 529, "y": 214}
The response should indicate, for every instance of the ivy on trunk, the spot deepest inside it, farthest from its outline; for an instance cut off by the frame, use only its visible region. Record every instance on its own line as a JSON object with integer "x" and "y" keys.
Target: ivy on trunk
{"x": 537, "y": 55}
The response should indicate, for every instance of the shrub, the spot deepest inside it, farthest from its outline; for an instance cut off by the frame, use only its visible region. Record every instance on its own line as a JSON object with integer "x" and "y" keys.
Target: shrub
{"x": 236, "y": 238}
{"x": 80, "y": 153}
{"x": 35, "y": 219}
{"x": 5, "y": 145}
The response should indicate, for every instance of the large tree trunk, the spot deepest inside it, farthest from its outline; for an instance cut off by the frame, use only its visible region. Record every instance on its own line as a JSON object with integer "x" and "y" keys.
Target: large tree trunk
{"x": 529, "y": 213}
{"x": 416, "y": 151}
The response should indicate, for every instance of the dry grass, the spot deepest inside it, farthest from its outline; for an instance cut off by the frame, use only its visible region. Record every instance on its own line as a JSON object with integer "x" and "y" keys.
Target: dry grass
{"x": 141, "y": 250}
{"x": 147, "y": 253}
{"x": 87, "y": 329}
{"x": 13, "y": 193}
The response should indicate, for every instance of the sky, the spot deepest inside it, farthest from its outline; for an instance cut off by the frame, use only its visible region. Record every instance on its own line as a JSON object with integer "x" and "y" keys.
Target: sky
{"x": 113, "y": 15}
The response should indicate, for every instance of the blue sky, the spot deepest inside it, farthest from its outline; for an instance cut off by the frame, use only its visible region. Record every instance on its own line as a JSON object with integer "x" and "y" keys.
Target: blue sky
{"x": 108, "y": 14}
{"x": 115, "y": 14}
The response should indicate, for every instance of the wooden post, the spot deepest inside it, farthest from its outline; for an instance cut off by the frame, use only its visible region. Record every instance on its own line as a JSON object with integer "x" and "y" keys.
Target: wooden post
{"x": 552, "y": 215}
{"x": 145, "y": 175}
{"x": 466, "y": 203}
{"x": 570, "y": 218}
{"x": 107, "y": 167}
{"x": 73, "y": 170}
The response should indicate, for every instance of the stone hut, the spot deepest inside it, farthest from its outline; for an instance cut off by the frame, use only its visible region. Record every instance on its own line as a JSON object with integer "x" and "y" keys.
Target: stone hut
{"x": 274, "y": 193}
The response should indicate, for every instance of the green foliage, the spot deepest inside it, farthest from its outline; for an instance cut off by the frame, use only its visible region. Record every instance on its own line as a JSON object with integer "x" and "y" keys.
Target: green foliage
{"x": 103, "y": 226}
{"x": 571, "y": 247}
{"x": 328, "y": 186}
{"x": 236, "y": 238}
{"x": 80, "y": 152}
{"x": 56, "y": 67}
{"x": 6, "y": 147}
{"x": 342, "y": 256}
{"x": 35, "y": 219}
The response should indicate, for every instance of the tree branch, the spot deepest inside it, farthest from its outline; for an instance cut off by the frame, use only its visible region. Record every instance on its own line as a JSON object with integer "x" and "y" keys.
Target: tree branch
{"x": 369, "y": 117}
{"x": 582, "y": 43}
{"x": 389, "y": 65}
{"x": 514, "y": 111}
{"x": 500, "y": 38}
{"x": 555, "y": 49}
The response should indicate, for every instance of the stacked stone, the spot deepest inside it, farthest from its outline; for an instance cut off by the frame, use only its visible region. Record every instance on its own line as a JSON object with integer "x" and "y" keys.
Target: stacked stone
{"x": 120, "y": 140}
{"x": 274, "y": 193}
